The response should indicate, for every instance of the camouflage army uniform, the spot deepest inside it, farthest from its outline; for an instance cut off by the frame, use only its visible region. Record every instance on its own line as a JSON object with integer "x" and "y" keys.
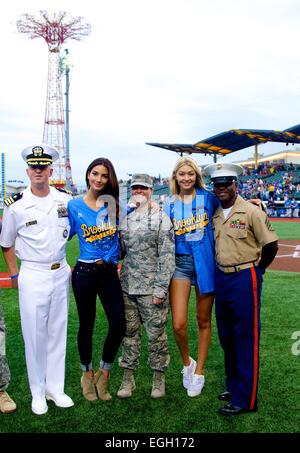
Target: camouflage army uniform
{"x": 146, "y": 271}
{"x": 4, "y": 370}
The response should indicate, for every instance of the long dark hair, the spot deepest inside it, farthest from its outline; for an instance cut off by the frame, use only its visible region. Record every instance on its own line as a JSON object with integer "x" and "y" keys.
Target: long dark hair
{"x": 112, "y": 187}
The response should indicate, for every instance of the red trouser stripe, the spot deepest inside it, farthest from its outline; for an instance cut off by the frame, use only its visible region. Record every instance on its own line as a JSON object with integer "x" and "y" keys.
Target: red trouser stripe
{"x": 255, "y": 328}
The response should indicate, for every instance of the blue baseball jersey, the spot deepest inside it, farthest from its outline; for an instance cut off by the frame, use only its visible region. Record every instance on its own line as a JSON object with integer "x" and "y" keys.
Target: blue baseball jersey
{"x": 97, "y": 234}
{"x": 194, "y": 233}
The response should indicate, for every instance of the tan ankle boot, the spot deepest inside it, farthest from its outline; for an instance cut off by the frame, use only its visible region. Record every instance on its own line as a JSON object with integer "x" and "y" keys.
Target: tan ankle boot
{"x": 127, "y": 385}
{"x": 102, "y": 386}
{"x": 7, "y": 405}
{"x": 158, "y": 385}
{"x": 88, "y": 387}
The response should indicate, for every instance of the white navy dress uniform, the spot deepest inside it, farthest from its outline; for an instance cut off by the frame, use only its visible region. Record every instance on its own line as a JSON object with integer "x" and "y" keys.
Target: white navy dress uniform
{"x": 38, "y": 228}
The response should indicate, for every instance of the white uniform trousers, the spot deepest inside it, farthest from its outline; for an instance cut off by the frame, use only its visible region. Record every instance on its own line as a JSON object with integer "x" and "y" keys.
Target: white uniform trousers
{"x": 44, "y": 303}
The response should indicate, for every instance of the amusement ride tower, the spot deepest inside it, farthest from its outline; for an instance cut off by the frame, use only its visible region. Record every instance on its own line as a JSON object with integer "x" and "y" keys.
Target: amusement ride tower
{"x": 55, "y": 30}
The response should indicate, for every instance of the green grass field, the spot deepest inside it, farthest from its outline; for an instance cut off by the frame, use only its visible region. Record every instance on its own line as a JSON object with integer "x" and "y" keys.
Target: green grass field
{"x": 279, "y": 394}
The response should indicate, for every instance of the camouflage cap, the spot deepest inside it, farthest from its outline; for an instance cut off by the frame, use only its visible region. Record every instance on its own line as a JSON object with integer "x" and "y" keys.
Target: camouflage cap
{"x": 141, "y": 179}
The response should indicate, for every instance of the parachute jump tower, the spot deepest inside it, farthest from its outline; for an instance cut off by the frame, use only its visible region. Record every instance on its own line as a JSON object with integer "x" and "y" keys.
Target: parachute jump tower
{"x": 55, "y": 29}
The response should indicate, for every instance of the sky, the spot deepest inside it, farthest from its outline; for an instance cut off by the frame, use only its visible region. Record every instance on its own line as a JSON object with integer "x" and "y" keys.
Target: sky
{"x": 169, "y": 71}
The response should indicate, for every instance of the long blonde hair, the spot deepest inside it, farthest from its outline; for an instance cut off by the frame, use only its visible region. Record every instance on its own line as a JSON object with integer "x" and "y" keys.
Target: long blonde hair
{"x": 174, "y": 186}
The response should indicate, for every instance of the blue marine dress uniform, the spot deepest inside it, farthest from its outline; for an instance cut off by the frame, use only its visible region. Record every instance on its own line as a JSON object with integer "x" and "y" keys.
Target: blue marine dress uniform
{"x": 38, "y": 228}
{"x": 239, "y": 239}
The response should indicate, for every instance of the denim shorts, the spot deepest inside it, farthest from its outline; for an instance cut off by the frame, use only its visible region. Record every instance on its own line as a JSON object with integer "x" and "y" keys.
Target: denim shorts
{"x": 185, "y": 268}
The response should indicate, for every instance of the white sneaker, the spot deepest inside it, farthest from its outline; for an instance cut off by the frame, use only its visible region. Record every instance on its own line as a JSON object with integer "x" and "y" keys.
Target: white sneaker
{"x": 60, "y": 399}
{"x": 196, "y": 385}
{"x": 188, "y": 372}
{"x": 39, "y": 405}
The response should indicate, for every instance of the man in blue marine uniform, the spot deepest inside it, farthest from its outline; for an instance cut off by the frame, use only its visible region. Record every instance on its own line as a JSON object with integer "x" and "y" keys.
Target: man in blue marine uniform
{"x": 245, "y": 245}
{"x": 35, "y": 229}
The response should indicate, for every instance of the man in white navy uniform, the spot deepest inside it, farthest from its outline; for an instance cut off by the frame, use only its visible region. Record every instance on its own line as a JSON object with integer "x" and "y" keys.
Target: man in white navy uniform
{"x": 35, "y": 229}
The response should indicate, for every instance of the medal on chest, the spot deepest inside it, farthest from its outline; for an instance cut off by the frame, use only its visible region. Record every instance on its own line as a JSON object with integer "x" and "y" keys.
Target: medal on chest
{"x": 238, "y": 224}
{"x": 62, "y": 211}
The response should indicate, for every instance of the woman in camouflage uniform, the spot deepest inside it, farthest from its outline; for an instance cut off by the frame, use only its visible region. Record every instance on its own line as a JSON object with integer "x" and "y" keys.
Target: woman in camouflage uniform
{"x": 147, "y": 268}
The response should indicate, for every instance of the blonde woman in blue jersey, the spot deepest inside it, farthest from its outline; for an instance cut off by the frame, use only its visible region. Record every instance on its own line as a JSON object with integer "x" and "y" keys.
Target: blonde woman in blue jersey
{"x": 190, "y": 207}
{"x": 94, "y": 218}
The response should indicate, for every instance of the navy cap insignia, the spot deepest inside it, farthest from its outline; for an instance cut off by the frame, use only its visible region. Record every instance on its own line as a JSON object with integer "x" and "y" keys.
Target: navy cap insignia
{"x": 37, "y": 151}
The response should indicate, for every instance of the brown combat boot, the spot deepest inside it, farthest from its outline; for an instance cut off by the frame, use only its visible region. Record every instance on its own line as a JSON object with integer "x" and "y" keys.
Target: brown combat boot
{"x": 88, "y": 387}
{"x": 102, "y": 386}
{"x": 127, "y": 385}
{"x": 7, "y": 405}
{"x": 158, "y": 385}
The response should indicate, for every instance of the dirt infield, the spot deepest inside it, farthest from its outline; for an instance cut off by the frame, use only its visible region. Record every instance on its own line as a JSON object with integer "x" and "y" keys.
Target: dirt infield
{"x": 5, "y": 281}
{"x": 288, "y": 256}
{"x": 287, "y": 259}
{"x": 284, "y": 219}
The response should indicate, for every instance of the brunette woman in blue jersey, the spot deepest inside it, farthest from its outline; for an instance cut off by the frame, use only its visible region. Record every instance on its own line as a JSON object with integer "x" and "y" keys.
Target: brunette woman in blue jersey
{"x": 190, "y": 208}
{"x": 94, "y": 218}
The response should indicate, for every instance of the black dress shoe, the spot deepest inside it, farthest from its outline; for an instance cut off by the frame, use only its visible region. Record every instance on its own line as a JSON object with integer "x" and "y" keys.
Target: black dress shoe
{"x": 225, "y": 396}
{"x": 231, "y": 409}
